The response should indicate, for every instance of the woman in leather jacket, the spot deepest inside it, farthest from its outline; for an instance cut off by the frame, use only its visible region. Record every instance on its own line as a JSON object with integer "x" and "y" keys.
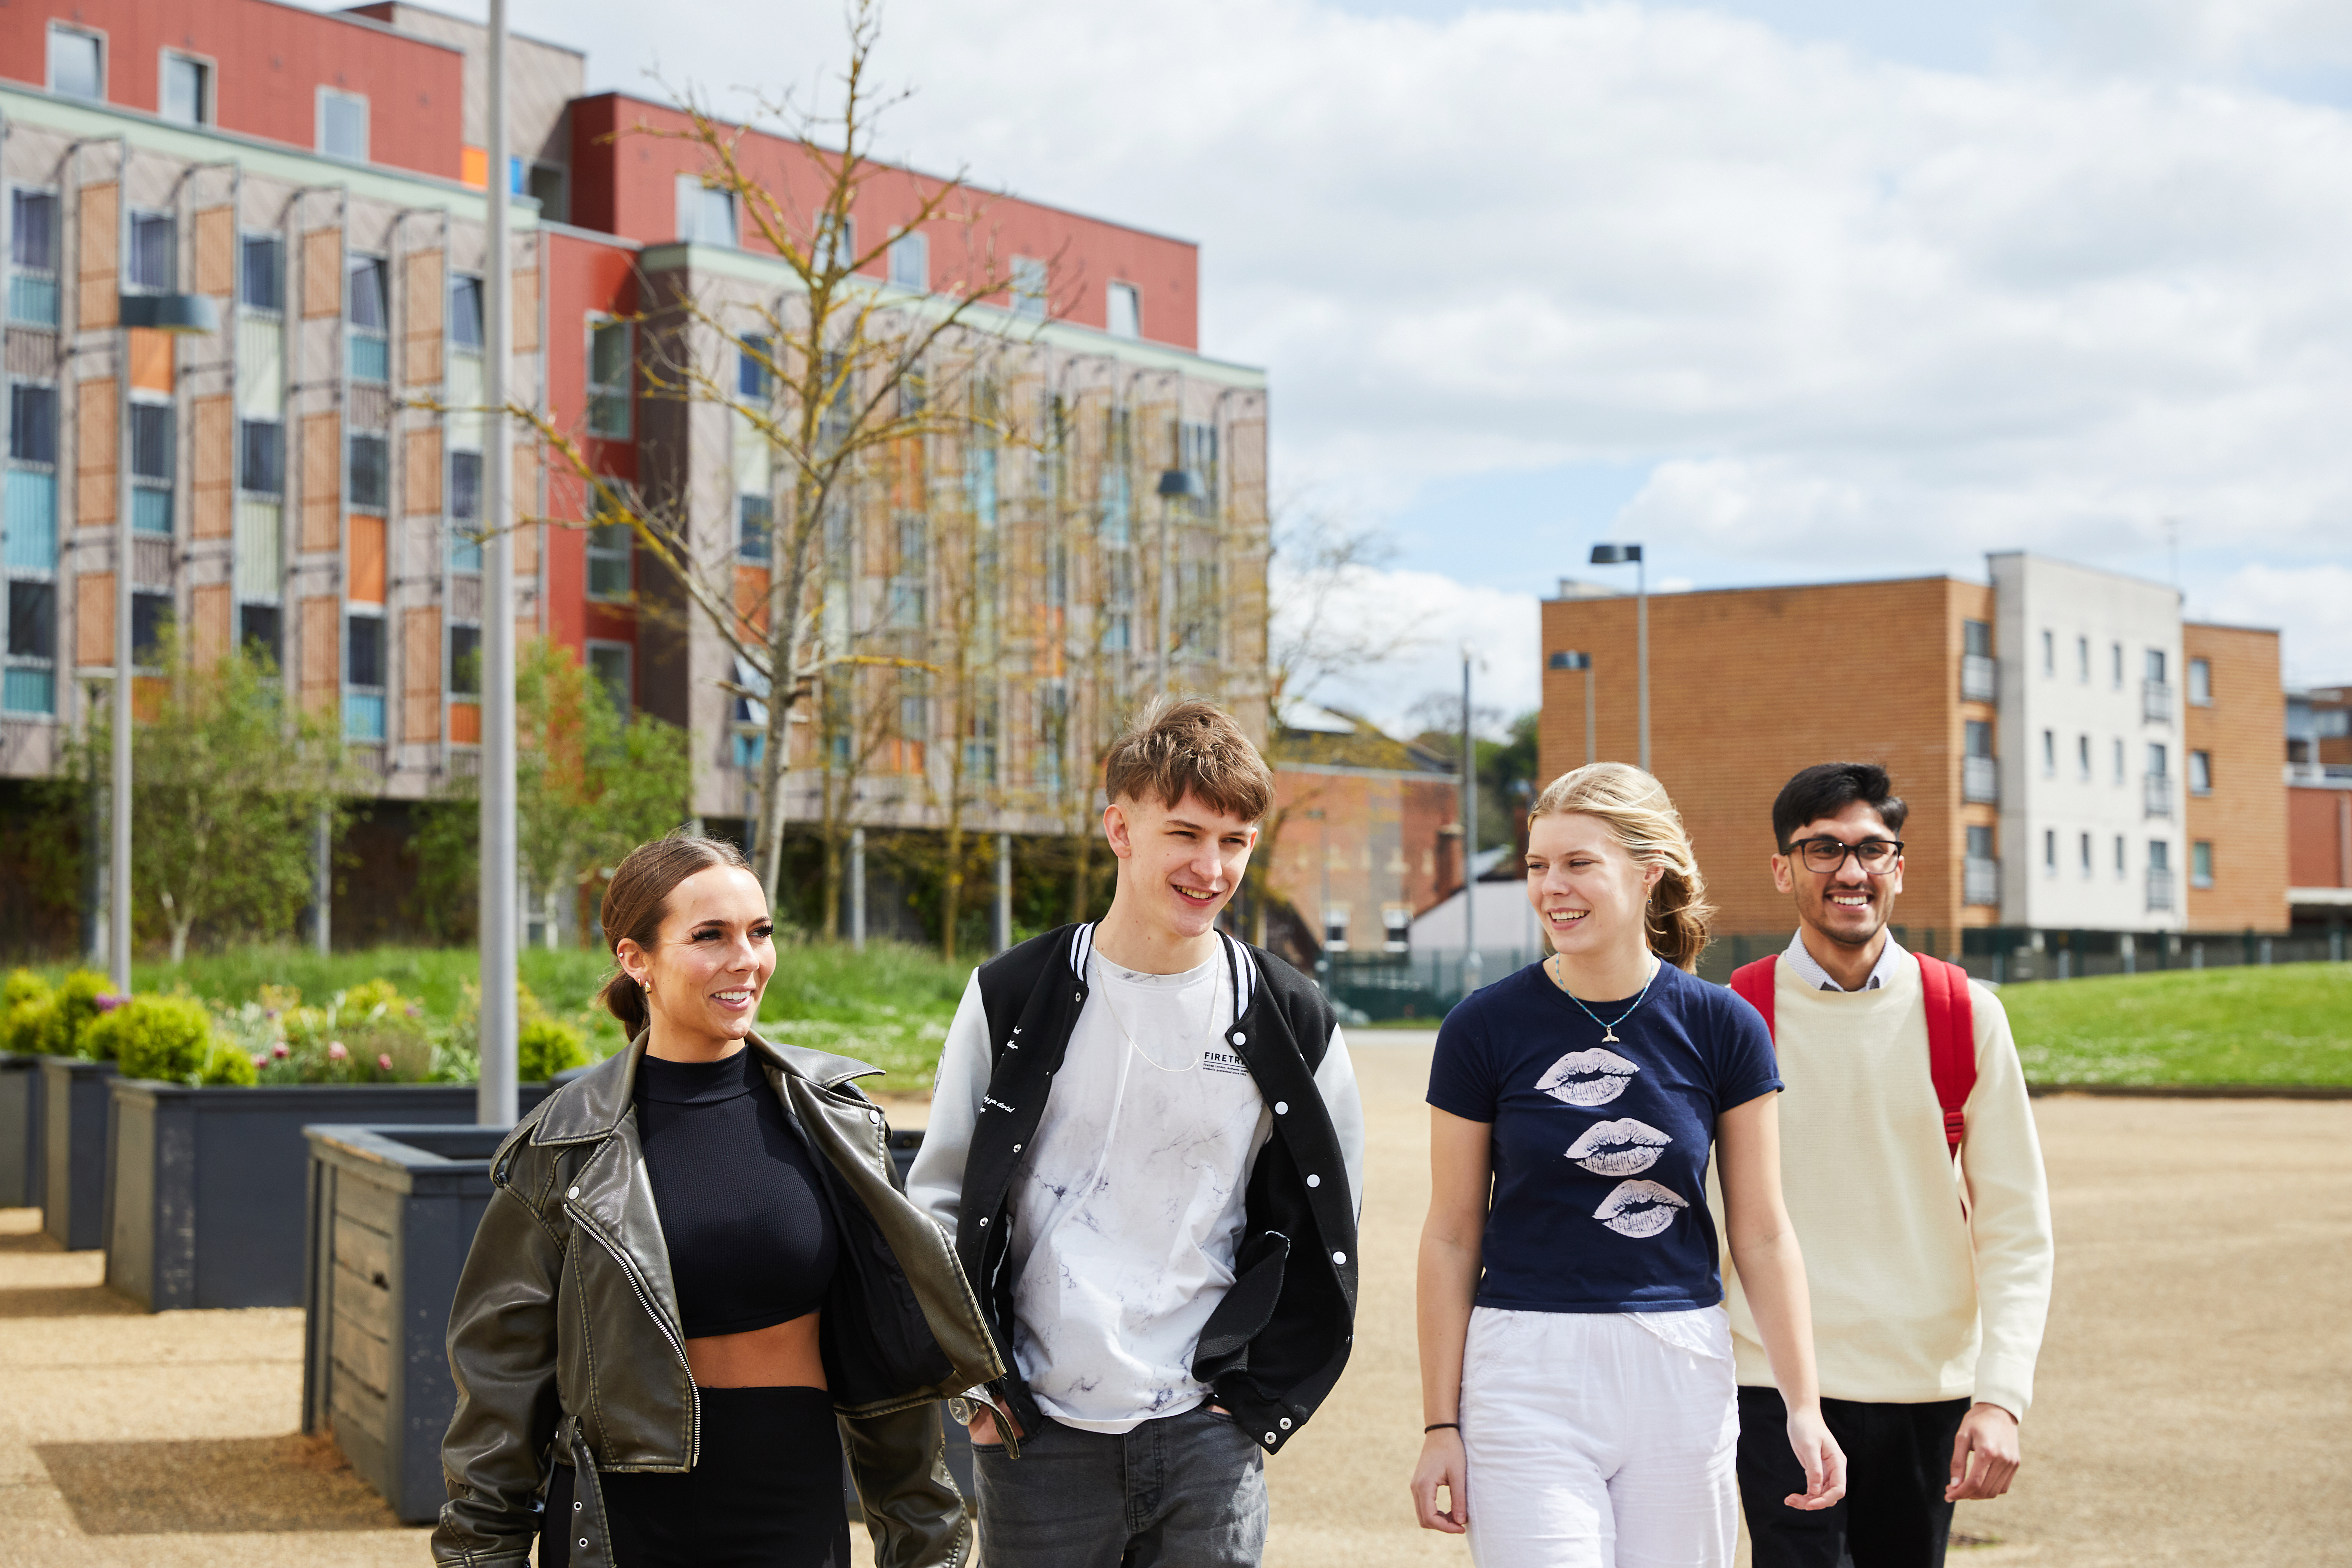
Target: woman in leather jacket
{"x": 696, "y": 1284}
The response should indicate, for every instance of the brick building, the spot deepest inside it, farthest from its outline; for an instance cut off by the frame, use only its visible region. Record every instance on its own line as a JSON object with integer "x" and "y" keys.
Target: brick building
{"x": 307, "y": 478}
{"x": 1368, "y": 832}
{"x": 2319, "y": 810}
{"x": 2085, "y": 773}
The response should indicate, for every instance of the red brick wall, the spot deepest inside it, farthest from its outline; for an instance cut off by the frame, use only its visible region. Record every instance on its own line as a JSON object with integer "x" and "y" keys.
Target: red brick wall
{"x": 2244, "y": 817}
{"x": 2319, "y": 838}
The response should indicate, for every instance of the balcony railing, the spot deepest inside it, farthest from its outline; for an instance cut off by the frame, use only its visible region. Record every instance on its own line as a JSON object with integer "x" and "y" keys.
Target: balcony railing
{"x": 2159, "y": 888}
{"x": 1979, "y": 678}
{"x": 1980, "y": 881}
{"x": 1980, "y": 780}
{"x": 2159, "y": 795}
{"x": 2156, "y": 702}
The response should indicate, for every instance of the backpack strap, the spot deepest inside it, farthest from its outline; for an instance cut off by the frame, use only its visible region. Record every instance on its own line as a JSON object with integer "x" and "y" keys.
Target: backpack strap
{"x": 1951, "y": 1042}
{"x": 1753, "y": 984}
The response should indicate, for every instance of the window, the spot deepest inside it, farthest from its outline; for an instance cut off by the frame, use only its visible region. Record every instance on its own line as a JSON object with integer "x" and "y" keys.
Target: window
{"x": 31, "y": 423}
{"x": 910, "y": 261}
{"x": 257, "y": 628}
{"x": 2082, "y": 757}
{"x": 32, "y": 619}
{"x": 261, "y": 273}
{"x": 363, "y": 667}
{"x": 2050, "y": 754}
{"x": 755, "y": 519}
{"x": 2050, "y": 851}
{"x": 151, "y": 254}
{"x": 753, "y": 381}
{"x": 705, "y": 215}
{"x": 365, "y": 309}
{"x": 608, "y": 379}
{"x": 1029, "y": 288}
{"x": 2201, "y": 683}
{"x": 2123, "y": 859}
{"x": 2119, "y": 761}
{"x": 465, "y": 313}
{"x": 2201, "y": 773}
{"x": 32, "y": 258}
{"x": 546, "y": 188}
{"x": 2049, "y": 653}
{"x": 370, "y": 475}
{"x": 610, "y": 546}
{"x": 1979, "y": 842}
{"x": 77, "y": 64}
{"x": 2201, "y": 863}
{"x": 2117, "y": 650}
{"x": 834, "y": 248}
{"x": 150, "y": 613}
{"x": 2158, "y": 763}
{"x": 151, "y": 467}
{"x": 2086, "y": 856}
{"x": 1123, "y": 311}
{"x": 465, "y": 511}
{"x": 188, "y": 89}
{"x": 464, "y": 661}
{"x": 343, "y": 124}
{"x": 1975, "y": 638}
{"x": 909, "y": 582}
{"x": 609, "y": 663}
{"x": 2159, "y": 854}
{"x": 260, "y": 457}
{"x": 2155, "y": 666}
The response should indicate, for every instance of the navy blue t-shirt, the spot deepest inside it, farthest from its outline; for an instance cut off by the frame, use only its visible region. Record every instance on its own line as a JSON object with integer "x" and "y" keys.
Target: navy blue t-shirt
{"x": 1600, "y": 1152}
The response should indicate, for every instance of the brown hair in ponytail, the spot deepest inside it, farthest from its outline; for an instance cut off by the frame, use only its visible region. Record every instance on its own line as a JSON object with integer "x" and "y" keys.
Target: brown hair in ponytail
{"x": 634, "y": 901}
{"x": 1642, "y": 817}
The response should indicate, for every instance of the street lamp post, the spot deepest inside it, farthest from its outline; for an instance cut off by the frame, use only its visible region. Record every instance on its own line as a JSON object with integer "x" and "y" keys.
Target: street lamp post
{"x": 1572, "y": 659}
{"x": 179, "y": 316}
{"x": 1323, "y": 909}
{"x": 1617, "y": 555}
{"x": 495, "y": 1100}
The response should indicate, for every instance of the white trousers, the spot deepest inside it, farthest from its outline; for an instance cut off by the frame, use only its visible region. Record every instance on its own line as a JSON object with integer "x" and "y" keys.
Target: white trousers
{"x": 1601, "y": 1440}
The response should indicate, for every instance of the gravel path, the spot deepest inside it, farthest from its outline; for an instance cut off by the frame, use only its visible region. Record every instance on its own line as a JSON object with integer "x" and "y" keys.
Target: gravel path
{"x": 2195, "y": 1403}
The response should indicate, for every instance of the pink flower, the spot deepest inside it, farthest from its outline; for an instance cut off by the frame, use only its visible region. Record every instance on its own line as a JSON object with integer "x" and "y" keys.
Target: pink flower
{"x": 383, "y": 1062}
{"x": 415, "y": 1011}
{"x": 107, "y": 1001}
{"x": 335, "y": 1051}
{"x": 259, "y": 1061}
{"x": 279, "y": 1051}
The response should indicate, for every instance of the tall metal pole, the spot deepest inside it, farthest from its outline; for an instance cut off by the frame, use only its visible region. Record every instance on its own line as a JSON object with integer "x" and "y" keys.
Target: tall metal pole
{"x": 1591, "y": 735}
{"x": 118, "y": 870}
{"x": 857, "y": 890}
{"x": 495, "y": 1096}
{"x": 1473, "y": 967}
{"x": 1642, "y": 645}
{"x": 1003, "y": 892}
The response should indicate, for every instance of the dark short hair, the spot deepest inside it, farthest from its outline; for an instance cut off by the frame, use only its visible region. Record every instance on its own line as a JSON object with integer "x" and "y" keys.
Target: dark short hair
{"x": 1827, "y": 788}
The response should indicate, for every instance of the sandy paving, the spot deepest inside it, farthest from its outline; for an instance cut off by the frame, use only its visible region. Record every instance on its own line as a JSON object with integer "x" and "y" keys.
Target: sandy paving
{"x": 2195, "y": 1403}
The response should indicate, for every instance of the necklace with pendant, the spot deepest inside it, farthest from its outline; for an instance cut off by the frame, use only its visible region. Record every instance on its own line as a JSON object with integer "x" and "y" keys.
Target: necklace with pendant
{"x": 1608, "y": 1025}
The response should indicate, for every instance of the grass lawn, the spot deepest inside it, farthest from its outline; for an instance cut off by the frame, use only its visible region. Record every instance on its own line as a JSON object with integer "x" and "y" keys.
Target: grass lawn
{"x": 890, "y": 1005}
{"x": 2289, "y": 1024}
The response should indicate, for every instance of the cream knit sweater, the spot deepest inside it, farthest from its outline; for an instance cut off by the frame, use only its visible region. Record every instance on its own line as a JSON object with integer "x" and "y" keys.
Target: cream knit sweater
{"x": 1929, "y": 1281}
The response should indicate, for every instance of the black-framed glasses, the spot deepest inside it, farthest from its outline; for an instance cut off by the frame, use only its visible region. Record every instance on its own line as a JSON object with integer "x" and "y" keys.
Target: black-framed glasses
{"x": 1875, "y": 856}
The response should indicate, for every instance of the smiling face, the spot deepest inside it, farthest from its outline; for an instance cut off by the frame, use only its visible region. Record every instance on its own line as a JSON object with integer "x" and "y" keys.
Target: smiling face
{"x": 707, "y": 970}
{"x": 1179, "y": 866}
{"x": 1587, "y": 888}
{"x": 1848, "y": 905}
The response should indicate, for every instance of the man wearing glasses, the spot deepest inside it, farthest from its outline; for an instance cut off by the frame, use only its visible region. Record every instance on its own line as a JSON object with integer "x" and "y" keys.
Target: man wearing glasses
{"x": 1913, "y": 1178}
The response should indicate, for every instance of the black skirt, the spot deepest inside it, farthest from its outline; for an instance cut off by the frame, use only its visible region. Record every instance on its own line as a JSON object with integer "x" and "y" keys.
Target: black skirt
{"x": 766, "y": 1493}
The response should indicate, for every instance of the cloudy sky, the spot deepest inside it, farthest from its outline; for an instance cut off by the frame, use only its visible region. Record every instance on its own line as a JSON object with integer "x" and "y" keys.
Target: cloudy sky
{"x": 1786, "y": 289}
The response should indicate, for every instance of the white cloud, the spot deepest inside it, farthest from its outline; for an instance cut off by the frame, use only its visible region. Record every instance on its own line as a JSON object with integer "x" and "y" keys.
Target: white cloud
{"x": 2315, "y": 604}
{"x": 1439, "y": 617}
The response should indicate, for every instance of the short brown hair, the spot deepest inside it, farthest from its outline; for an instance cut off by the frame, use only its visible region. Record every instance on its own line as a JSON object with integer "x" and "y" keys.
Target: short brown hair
{"x": 1185, "y": 745}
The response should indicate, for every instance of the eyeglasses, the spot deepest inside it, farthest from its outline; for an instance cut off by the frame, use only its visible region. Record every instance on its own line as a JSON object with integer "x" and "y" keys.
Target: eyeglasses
{"x": 1875, "y": 856}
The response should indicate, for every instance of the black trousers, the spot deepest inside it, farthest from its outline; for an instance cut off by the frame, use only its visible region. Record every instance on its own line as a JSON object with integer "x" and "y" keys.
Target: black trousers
{"x": 766, "y": 1492}
{"x": 1898, "y": 1462}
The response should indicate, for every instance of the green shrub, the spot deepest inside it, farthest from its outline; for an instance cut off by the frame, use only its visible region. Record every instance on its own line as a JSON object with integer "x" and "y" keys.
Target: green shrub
{"x": 168, "y": 1037}
{"x": 546, "y": 1047}
{"x": 22, "y": 985}
{"x": 80, "y": 1000}
{"x": 21, "y": 1026}
{"x": 228, "y": 1065}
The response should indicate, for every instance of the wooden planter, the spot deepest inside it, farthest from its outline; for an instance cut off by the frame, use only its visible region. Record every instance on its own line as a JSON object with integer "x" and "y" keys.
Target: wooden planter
{"x": 206, "y": 1204}
{"x": 24, "y": 1167}
{"x": 76, "y": 1146}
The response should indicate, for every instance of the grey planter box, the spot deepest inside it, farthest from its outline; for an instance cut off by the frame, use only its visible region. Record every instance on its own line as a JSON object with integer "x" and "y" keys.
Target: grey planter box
{"x": 392, "y": 1212}
{"x": 204, "y": 1205}
{"x": 24, "y": 1166}
{"x": 76, "y": 1112}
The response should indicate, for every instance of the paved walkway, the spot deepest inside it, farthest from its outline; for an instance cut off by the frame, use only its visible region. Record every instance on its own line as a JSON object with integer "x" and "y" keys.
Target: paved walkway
{"x": 2193, "y": 1407}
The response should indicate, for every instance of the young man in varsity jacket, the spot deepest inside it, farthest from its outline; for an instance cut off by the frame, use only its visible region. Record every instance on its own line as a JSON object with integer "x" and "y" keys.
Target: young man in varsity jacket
{"x": 1914, "y": 1177}
{"x": 1146, "y": 1144}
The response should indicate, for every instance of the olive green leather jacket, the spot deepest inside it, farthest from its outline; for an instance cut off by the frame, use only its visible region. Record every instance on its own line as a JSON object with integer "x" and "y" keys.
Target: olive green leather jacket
{"x": 565, "y": 1343}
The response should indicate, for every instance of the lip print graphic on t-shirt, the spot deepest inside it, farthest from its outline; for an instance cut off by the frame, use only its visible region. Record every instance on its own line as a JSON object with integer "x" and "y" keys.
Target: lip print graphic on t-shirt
{"x": 1639, "y": 1209}
{"x": 1587, "y": 1078}
{"x": 1622, "y": 1147}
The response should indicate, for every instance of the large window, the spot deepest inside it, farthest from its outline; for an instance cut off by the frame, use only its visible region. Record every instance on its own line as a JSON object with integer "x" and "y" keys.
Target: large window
{"x": 2201, "y": 863}
{"x": 261, "y": 273}
{"x": 2201, "y": 683}
{"x": 257, "y": 628}
{"x": 465, "y": 511}
{"x": 755, "y": 524}
{"x": 705, "y": 215}
{"x": 910, "y": 261}
{"x": 1029, "y": 288}
{"x": 366, "y": 309}
{"x": 609, "y": 663}
{"x": 32, "y": 258}
{"x": 2201, "y": 773}
{"x": 31, "y": 423}
{"x": 610, "y": 543}
{"x": 608, "y": 379}
{"x": 343, "y": 124}
{"x": 151, "y": 467}
{"x": 29, "y": 684}
{"x": 370, "y": 473}
{"x": 464, "y": 661}
{"x": 754, "y": 381}
{"x": 465, "y": 313}
{"x": 910, "y": 584}
{"x": 152, "y": 257}
{"x": 188, "y": 89}
{"x": 1123, "y": 311}
{"x": 77, "y": 63}
{"x": 363, "y": 678}
{"x": 150, "y": 613}
{"x": 260, "y": 457}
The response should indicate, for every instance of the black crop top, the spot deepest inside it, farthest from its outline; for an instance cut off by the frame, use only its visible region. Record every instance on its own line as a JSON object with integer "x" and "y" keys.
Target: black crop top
{"x": 743, "y": 1211}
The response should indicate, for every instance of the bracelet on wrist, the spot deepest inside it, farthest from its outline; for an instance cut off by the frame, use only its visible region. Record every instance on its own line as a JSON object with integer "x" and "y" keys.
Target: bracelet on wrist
{"x": 1441, "y": 1427}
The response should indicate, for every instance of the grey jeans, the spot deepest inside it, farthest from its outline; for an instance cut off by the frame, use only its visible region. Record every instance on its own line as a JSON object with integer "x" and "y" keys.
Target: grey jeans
{"x": 1184, "y": 1491}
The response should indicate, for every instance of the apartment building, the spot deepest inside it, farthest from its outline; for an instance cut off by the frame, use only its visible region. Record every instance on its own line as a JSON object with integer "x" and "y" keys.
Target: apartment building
{"x": 1369, "y": 833}
{"x": 2083, "y": 771}
{"x": 309, "y": 476}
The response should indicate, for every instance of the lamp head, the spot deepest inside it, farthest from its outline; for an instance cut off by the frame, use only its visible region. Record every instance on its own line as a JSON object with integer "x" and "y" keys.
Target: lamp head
{"x": 1568, "y": 658}
{"x": 1615, "y": 554}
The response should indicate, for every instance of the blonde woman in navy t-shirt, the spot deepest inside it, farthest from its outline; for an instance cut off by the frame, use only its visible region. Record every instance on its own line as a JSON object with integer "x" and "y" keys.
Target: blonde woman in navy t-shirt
{"x": 1576, "y": 1370}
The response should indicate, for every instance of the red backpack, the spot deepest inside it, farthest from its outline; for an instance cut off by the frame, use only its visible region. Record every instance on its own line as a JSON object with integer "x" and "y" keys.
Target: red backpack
{"x": 1951, "y": 1030}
